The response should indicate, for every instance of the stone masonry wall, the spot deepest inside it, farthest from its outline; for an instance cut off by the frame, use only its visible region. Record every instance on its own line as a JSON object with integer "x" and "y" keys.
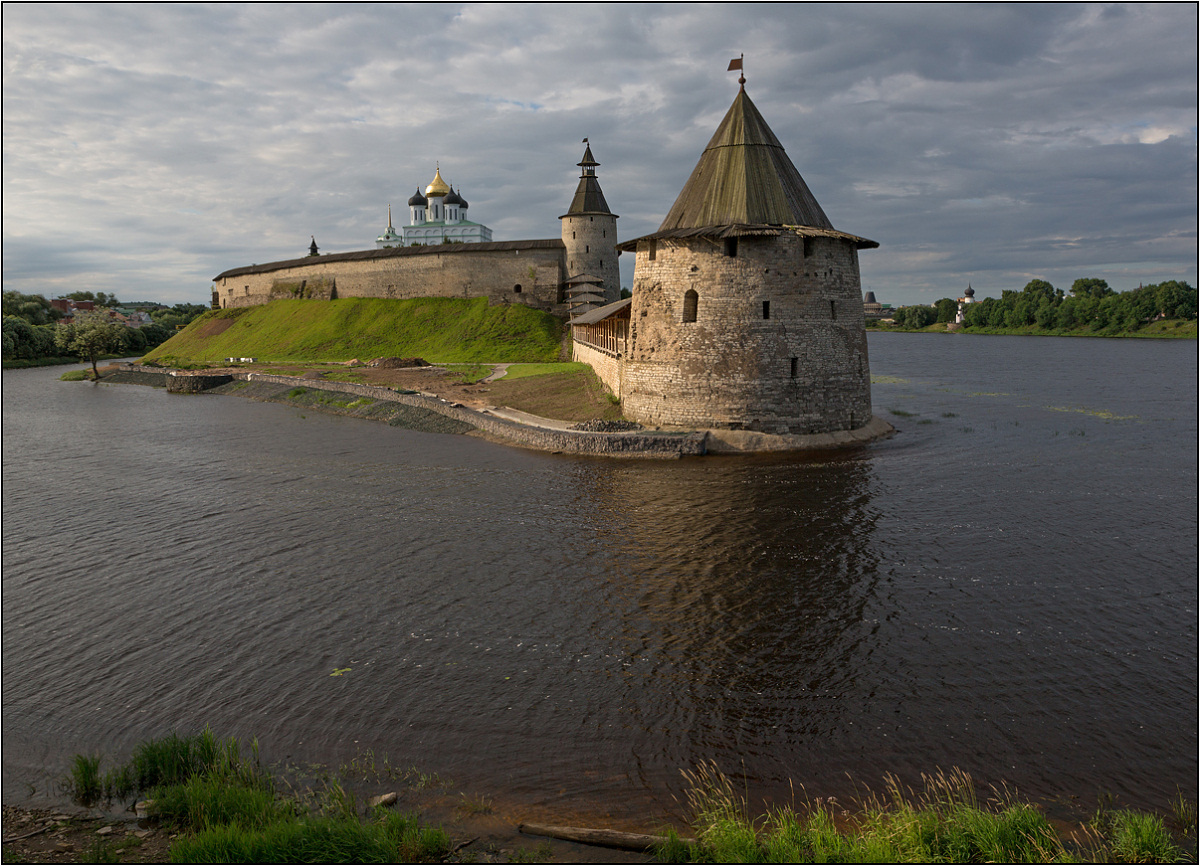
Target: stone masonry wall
{"x": 778, "y": 342}
{"x": 530, "y": 276}
{"x": 606, "y": 365}
{"x": 590, "y": 241}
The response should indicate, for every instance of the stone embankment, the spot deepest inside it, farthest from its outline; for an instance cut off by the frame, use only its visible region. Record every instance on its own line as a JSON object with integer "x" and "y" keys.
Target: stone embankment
{"x": 275, "y": 388}
{"x": 432, "y": 414}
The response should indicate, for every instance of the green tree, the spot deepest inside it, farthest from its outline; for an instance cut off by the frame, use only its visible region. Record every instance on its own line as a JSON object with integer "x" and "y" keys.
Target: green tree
{"x": 18, "y": 338}
{"x": 1046, "y": 314}
{"x": 34, "y": 309}
{"x": 947, "y": 310}
{"x": 133, "y": 341}
{"x": 916, "y": 317}
{"x": 1066, "y": 316}
{"x": 156, "y": 334}
{"x": 1091, "y": 287}
{"x": 1175, "y": 300}
{"x": 89, "y": 336}
{"x": 1039, "y": 289}
{"x": 996, "y": 311}
{"x": 976, "y": 315}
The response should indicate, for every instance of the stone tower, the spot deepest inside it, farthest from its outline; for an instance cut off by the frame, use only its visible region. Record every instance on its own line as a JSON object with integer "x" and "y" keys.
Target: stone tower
{"x": 747, "y": 309}
{"x": 589, "y": 231}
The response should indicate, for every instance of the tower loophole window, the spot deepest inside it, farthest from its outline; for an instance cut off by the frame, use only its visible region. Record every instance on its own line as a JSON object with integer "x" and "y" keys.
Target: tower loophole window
{"x": 833, "y": 310}
{"x": 795, "y": 367}
{"x": 766, "y": 309}
{"x": 517, "y": 288}
{"x": 808, "y": 247}
{"x": 691, "y": 301}
{"x": 653, "y": 251}
{"x": 731, "y": 247}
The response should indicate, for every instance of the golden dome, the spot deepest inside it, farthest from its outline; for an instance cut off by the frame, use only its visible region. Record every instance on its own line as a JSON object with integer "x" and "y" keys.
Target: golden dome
{"x": 438, "y": 187}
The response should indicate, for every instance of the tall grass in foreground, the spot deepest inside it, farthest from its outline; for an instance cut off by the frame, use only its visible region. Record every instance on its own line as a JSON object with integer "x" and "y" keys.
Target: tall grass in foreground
{"x": 169, "y": 760}
{"x": 943, "y": 823}
{"x": 229, "y": 810}
{"x": 390, "y": 838}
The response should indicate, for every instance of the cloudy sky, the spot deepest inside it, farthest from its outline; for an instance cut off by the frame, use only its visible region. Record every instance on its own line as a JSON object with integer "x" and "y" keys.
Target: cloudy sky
{"x": 148, "y": 148}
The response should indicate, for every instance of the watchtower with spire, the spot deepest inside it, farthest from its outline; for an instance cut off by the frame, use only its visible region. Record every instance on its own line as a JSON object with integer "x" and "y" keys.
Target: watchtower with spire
{"x": 589, "y": 233}
{"x": 747, "y": 310}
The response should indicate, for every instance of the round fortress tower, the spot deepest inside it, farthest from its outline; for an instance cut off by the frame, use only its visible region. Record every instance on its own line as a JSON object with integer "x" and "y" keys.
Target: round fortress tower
{"x": 589, "y": 232}
{"x": 747, "y": 309}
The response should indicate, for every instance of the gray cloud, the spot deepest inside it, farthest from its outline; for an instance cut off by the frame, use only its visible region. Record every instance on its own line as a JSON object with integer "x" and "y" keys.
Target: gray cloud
{"x": 149, "y": 147}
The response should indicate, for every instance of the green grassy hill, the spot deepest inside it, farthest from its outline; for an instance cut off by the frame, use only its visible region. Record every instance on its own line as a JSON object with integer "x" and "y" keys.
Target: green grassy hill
{"x": 441, "y": 330}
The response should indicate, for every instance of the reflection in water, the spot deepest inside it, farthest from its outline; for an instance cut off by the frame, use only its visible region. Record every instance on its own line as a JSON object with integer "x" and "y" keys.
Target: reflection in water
{"x": 736, "y": 595}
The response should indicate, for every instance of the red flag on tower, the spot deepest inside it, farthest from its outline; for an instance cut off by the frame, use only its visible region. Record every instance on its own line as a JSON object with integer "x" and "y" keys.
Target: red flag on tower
{"x": 735, "y": 63}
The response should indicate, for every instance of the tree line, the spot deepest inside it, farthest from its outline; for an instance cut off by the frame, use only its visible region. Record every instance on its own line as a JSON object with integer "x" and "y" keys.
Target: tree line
{"x": 32, "y": 326}
{"x": 1090, "y": 305}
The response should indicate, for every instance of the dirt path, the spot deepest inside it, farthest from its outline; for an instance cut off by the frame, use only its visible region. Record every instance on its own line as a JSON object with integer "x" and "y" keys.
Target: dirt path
{"x": 498, "y": 372}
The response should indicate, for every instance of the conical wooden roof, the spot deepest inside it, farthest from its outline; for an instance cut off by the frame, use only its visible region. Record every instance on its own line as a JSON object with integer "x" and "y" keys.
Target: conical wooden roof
{"x": 744, "y": 177}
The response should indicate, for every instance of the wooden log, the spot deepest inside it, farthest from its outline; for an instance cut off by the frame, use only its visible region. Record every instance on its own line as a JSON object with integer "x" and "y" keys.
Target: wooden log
{"x": 27, "y": 835}
{"x": 603, "y": 838}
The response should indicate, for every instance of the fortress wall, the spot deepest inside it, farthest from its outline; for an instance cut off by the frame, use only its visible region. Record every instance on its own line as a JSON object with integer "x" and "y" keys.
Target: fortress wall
{"x": 803, "y": 369}
{"x": 606, "y": 365}
{"x": 520, "y": 276}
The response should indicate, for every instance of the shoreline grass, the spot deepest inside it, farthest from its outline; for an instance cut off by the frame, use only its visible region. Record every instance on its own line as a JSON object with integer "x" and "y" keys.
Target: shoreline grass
{"x": 944, "y": 822}
{"x": 227, "y": 809}
{"x": 223, "y": 806}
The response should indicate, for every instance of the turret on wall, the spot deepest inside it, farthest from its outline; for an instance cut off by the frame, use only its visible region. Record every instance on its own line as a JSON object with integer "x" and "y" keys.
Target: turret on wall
{"x": 747, "y": 308}
{"x": 589, "y": 232}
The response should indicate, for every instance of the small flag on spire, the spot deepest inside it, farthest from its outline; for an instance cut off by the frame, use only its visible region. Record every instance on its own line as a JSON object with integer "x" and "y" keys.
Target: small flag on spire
{"x": 585, "y": 141}
{"x": 736, "y": 63}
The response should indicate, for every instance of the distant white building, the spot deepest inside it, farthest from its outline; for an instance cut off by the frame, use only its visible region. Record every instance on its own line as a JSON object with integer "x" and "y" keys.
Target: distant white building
{"x": 437, "y": 217}
{"x": 967, "y": 298}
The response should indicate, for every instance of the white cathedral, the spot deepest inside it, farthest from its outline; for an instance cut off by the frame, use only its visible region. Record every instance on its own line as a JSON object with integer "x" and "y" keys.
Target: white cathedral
{"x": 437, "y": 217}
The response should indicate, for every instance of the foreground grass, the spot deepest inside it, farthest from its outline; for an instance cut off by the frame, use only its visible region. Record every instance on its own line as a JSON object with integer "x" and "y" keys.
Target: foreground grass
{"x": 439, "y": 329}
{"x": 227, "y": 810}
{"x": 944, "y": 823}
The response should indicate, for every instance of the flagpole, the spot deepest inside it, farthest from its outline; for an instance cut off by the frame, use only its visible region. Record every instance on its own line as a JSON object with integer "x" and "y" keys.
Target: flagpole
{"x": 737, "y": 63}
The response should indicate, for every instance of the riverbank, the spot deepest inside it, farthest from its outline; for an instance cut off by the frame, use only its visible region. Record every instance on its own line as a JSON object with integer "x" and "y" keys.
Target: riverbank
{"x": 197, "y": 799}
{"x": 1164, "y": 329}
{"x": 429, "y": 412}
{"x": 62, "y": 361}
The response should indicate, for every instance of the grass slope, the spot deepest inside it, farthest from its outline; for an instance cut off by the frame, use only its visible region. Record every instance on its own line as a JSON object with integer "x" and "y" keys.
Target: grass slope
{"x": 437, "y": 329}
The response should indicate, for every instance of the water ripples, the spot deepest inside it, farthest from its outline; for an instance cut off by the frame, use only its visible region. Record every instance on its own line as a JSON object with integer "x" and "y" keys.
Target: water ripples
{"x": 569, "y": 633}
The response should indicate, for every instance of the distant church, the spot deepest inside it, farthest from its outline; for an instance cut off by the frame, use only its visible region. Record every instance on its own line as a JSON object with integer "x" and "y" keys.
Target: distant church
{"x": 437, "y": 217}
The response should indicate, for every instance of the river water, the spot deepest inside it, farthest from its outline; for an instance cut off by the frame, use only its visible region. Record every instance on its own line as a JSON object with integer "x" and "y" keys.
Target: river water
{"x": 1008, "y": 586}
